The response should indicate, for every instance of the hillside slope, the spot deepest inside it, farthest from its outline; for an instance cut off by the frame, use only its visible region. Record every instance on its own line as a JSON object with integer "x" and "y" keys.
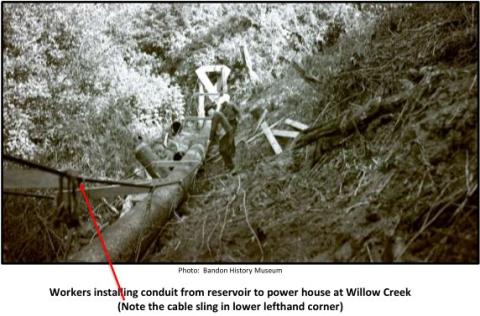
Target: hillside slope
{"x": 388, "y": 170}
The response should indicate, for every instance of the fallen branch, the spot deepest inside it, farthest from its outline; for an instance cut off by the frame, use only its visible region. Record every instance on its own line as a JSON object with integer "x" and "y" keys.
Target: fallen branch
{"x": 250, "y": 226}
{"x": 110, "y": 207}
{"x": 346, "y": 124}
{"x": 303, "y": 73}
{"x": 260, "y": 121}
{"x": 456, "y": 197}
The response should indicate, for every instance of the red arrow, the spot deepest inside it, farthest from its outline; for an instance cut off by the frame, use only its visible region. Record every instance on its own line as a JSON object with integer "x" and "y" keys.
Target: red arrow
{"x": 100, "y": 237}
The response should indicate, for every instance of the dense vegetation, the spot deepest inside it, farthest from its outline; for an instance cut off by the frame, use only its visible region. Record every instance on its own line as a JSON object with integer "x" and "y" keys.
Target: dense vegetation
{"x": 387, "y": 171}
{"x": 82, "y": 79}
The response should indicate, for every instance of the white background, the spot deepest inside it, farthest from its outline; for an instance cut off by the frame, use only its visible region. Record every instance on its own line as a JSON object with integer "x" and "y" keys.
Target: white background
{"x": 436, "y": 289}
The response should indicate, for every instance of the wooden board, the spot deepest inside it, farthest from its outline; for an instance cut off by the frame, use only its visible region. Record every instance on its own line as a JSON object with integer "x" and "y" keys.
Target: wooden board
{"x": 207, "y": 84}
{"x": 174, "y": 163}
{"x": 225, "y": 73}
{"x": 196, "y": 94}
{"x": 218, "y": 85}
{"x": 222, "y": 87}
{"x": 284, "y": 133}
{"x": 29, "y": 179}
{"x": 201, "y": 104}
{"x": 261, "y": 119}
{"x": 211, "y": 68}
{"x": 213, "y": 90}
{"x": 248, "y": 62}
{"x": 251, "y": 139}
{"x": 296, "y": 124}
{"x": 246, "y": 58}
{"x": 195, "y": 118}
{"x": 271, "y": 139}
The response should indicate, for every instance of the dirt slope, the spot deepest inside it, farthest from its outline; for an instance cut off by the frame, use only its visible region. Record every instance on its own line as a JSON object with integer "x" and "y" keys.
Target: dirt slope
{"x": 401, "y": 185}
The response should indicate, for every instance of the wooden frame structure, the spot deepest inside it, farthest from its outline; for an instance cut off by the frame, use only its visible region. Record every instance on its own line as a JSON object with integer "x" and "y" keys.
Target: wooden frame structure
{"x": 215, "y": 92}
{"x": 272, "y": 133}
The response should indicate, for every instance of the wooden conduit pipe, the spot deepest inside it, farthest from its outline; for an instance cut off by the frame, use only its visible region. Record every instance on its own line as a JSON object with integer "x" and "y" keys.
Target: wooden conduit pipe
{"x": 128, "y": 238}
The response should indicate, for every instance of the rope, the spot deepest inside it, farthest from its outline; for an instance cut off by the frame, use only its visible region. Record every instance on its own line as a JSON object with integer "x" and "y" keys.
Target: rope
{"x": 117, "y": 182}
{"x": 40, "y": 196}
{"x": 85, "y": 179}
{"x": 35, "y": 165}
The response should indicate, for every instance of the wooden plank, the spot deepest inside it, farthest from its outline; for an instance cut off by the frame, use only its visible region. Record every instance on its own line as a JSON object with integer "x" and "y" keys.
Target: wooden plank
{"x": 284, "y": 133}
{"x": 248, "y": 62}
{"x": 271, "y": 139}
{"x": 218, "y": 85}
{"x": 196, "y": 118}
{"x": 165, "y": 140}
{"x": 174, "y": 163}
{"x": 213, "y": 92}
{"x": 29, "y": 179}
{"x": 251, "y": 139}
{"x": 110, "y": 207}
{"x": 260, "y": 121}
{"x": 248, "y": 141}
{"x": 207, "y": 84}
{"x": 201, "y": 105}
{"x": 192, "y": 136}
{"x": 246, "y": 58}
{"x": 225, "y": 73}
{"x": 196, "y": 94}
{"x": 211, "y": 68}
{"x": 296, "y": 124}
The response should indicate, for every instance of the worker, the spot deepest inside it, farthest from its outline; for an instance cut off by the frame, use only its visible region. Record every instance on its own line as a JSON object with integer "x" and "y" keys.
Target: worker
{"x": 227, "y": 118}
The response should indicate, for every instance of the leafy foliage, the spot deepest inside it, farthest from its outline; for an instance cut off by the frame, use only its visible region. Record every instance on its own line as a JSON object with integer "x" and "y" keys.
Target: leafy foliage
{"x": 184, "y": 37}
{"x": 75, "y": 82}
{"x": 81, "y": 81}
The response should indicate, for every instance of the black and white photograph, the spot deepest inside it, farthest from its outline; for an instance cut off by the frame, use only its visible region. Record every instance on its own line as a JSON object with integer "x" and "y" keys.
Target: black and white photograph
{"x": 258, "y": 133}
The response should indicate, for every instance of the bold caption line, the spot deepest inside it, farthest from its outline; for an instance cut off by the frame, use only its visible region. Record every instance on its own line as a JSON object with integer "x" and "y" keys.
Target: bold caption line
{"x": 100, "y": 237}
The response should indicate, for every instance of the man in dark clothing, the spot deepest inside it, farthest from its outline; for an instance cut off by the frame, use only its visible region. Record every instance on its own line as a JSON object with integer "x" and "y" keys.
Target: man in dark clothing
{"x": 227, "y": 118}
